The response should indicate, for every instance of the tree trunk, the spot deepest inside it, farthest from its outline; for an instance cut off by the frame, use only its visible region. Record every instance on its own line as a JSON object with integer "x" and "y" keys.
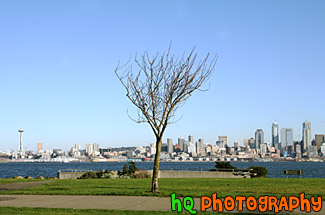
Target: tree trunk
{"x": 154, "y": 188}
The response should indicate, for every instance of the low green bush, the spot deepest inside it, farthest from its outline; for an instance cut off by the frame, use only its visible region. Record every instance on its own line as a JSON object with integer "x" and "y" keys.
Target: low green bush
{"x": 101, "y": 174}
{"x": 259, "y": 170}
{"x": 224, "y": 165}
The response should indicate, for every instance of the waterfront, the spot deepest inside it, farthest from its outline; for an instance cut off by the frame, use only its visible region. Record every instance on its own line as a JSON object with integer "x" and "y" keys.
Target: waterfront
{"x": 275, "y": 169}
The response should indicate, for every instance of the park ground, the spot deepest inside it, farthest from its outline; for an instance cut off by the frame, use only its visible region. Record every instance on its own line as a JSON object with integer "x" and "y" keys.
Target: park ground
{"x": 141, "y": 187}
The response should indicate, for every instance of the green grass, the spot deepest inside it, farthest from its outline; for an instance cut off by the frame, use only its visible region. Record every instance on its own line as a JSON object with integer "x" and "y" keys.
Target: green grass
{"x": 9, "y": 180}
{"x": 182, "y": 187}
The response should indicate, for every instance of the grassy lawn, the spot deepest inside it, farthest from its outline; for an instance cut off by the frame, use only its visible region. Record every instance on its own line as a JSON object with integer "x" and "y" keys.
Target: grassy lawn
{"x": 9, "y": 180}
{"x": 182, "y": 187}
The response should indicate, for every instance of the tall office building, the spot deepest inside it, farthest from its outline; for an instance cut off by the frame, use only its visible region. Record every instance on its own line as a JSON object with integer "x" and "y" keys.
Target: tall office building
{"x": 170, "y": 145}
{"x": 190, "y": 147}
{"x": 96, "y": 147}
{"x": 164, "y": 147}
{"x": 319, "y": 139}
{"x": 275, "y": 135}
{"x": 306, "y": 135}
{"x": 39, "y": 147}
{"x": 220, "y": 144}
{"x": 191, "y": 139}
{"x": 181, "y": 143}
{"x": 251, "y": 143}
{"x": 224, "y": 139}
{"x": 246, "y": 144}
{"x": 259, "y": 138}
{"x": 200, "y": 147}
{"x": 77, "y": 147}
{"x": 298, "y": 151}
{"x": 89, "y": 148}
{"x": 286, "y": 138}
{"x": 92, "y": 148}
{"x": 152, "y": 148}
{"x": 263, "y": 149}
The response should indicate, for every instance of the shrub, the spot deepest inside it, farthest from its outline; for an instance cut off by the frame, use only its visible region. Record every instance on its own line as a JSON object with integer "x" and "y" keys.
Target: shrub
{"x": 224, "y": 165}
{"x": 259, "y": 170}
{"x": 100, "y": 174}
{"x": 142, "y": 174}
{"x": 124, "y": 171}
{"x": 88, "y": 175}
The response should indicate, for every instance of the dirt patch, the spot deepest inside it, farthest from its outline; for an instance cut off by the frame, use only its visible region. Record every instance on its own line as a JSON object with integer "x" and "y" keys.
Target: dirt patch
{"x": 6, "y": 198}
{"x": 22, "y": 185}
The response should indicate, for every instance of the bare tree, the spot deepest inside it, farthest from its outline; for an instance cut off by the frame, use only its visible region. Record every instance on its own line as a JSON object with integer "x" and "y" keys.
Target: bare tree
{"x": 159, "y": 87}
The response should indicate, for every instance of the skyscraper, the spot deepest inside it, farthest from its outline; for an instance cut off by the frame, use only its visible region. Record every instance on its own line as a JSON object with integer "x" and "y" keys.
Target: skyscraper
{"x": 191, "y": 139}
{"x": 251, "y": 143}
{"x": 259, "y": 138}
{"x": 246, "y": 142}
{"x": 275, "y": 134}
{"x": 319, "y": 139}
{"x": 77, "y": 146}
{"x": 224, "y": 139}
{"x": 39, "y": 147}
{"x": 92, "y": 148}
{"x": 306, "y": 135}
{"x": 181, "y": 143}
{"x": 170, "y": 145}
{"x": 286, "y": 138}
{"x": 200, "y": 147}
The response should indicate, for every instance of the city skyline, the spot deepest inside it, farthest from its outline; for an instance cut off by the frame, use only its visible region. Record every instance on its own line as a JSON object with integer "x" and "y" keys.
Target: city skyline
{"x": 188, "y": 150}
{"x": 283, "y": 140}
{"x": 57, "y": 62}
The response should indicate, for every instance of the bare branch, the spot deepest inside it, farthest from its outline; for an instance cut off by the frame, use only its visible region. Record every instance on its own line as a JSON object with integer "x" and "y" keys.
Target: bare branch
{"x": 162, "y": 84}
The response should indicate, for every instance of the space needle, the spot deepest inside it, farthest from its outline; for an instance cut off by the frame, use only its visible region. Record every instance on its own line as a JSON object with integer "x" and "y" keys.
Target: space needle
{"x": 21, "y": 139}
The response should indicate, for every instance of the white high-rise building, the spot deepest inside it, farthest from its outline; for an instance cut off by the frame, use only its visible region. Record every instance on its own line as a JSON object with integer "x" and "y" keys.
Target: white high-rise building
{"x": 200, "y": 147}
{"x": 286, "y": 138}
{"x": 191, "y": 147}
{"x": 170, "y": 149}
{"x": 92, "y": 148}
{"x": 77, "y": 147}
{"x": 306, "y": 135}
{"x": 263, "y": 149}
{"x": 152, "y": 149}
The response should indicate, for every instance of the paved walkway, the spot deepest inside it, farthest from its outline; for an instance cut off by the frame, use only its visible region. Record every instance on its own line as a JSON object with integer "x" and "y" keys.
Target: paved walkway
{"x": 100, "y": 202}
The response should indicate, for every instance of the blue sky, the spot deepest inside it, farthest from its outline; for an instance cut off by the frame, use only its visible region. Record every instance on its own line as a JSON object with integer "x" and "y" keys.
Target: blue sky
{"x": 57, "y": 61}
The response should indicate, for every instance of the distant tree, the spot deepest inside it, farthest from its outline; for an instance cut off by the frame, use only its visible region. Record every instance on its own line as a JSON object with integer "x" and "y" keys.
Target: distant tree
{"x": 132, "y": 168}
{"x": 260, "y": 171}
{"x": 161, "y": 85}
{"x": 124, "y": 171}
{"x": 128, "y": 170}
{"x": 224, "y": 165}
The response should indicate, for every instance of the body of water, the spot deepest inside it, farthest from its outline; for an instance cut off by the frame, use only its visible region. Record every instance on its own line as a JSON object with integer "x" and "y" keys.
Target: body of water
{"x": 275, "y": 169}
